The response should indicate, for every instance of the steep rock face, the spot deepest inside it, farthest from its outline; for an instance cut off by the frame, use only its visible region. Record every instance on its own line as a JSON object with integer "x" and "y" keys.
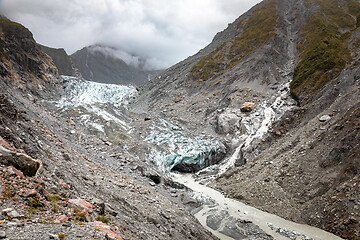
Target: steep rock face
{"x": 306, "y": 168}
{"x": 21, "y": 60}
{"x": 95, "y": 65}
{"x": 61, "y": 60}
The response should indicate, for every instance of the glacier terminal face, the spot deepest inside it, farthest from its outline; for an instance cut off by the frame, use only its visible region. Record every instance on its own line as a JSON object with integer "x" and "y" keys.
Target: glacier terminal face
{"x": 178, "y": 152}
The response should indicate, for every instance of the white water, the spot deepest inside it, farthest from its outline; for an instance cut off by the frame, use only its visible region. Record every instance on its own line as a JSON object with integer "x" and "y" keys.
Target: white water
{"x": 258, "y": 123}
{"x": 242, "y": 211}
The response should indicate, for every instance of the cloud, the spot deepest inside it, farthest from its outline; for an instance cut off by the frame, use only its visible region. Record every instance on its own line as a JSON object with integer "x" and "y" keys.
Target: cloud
{"x": 162, "y": 30}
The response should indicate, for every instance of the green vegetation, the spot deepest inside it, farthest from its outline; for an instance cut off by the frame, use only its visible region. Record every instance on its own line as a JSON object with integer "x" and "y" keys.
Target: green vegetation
{"x": 8, "y": 192}
{"x": 358, "y": 114}
{"x": 54, "y": 198}
{"x": 257, "y": 30}
{"x": 33, "y": 203}
{"x": 61, "y": 236}
{"x": 8, "y": 26}
{"x": 81, "y": 216}
{"x": 324, "y": 49}
{"x": 216, "y": 82}
{"x": 354, "y": 9}
{"x": 102, "y": 219}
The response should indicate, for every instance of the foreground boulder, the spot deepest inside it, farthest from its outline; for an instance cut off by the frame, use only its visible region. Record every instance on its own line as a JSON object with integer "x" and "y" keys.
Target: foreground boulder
{"x": 21, "y": 161}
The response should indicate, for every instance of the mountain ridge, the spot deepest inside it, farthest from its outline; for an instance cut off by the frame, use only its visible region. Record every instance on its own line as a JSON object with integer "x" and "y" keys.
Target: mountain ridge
{"x": 100, "y": 64}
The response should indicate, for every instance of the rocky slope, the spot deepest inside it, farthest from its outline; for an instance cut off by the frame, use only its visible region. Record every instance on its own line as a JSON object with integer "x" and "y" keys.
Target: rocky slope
{"x": 306, "y": 166}
{"x": 103, "y": 64}
{"x": 81, "y": 186}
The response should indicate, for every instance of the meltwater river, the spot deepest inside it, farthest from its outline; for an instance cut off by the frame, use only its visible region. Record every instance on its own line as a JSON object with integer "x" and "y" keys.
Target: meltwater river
{"x": 100, "y": 106}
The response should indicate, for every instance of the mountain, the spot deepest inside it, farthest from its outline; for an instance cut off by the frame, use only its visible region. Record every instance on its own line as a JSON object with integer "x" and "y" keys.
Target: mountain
{"x": 108, "y": 65}
{"x": 58, "y": 180}
{"x": 295, "y": 152}
{"x": 61, "y": 60}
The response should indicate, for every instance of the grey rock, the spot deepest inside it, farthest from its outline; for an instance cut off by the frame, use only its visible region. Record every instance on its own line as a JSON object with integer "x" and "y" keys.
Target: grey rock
{"x": 23, "y": 162}
{"x": 233, "y": 231}
{"x": 214, "y": 221}
{"x": 324, "y": 118}
{"x": 228, "y": 123}
{"x": 13, "y": 214}
{"x": 2, "y": 234}
{"x": 12, "y": 224}
{"x": 6, "y": 211}
{"x": 67, "y": 224}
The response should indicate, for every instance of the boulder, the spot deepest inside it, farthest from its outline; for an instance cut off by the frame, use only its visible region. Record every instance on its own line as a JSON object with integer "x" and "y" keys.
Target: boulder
{"x": 30, "y": 193}
{"x": 324, "y": 118}
{"x": 248, "y": 107}
{"x": 80, "y": 205}
{"x": 110, "y": 234}
{"x": 227, "y": 123}
{"x": 83, "y": 209}
{"x": 21, "y": 161}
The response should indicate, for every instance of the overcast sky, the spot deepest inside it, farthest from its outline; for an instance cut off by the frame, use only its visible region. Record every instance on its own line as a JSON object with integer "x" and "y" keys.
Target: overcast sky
{"x": 167, "y": 31}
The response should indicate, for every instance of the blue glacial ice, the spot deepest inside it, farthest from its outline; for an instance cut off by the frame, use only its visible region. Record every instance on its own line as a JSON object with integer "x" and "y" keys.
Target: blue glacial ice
{"x": 177, "y": 152}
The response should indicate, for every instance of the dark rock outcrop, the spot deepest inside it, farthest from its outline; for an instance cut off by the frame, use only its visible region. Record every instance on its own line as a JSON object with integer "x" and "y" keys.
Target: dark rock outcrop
{"x": 96, "y": 65}
{"x": 21, "y": 59}
{"x": 61, "y": 60}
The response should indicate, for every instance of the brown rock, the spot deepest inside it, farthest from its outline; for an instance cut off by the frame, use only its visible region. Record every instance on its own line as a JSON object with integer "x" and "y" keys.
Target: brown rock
{"x": 107, "y": 229}
{"x": 64, "y": 184}
{"x": 177, "y": 99}
{"x": 62, "y": 219}
{"x": 30, "y": 193}
{"x": 13, "y": 171}
{"x": 248, "y": 107}
{"x": 4, "y": 143}
{"x": 80, "y": 205}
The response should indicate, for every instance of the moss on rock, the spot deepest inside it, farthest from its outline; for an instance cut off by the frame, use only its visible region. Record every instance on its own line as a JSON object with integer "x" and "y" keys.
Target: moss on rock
{"x": 323, "y": 50}
{"x": 254, "y": 32}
